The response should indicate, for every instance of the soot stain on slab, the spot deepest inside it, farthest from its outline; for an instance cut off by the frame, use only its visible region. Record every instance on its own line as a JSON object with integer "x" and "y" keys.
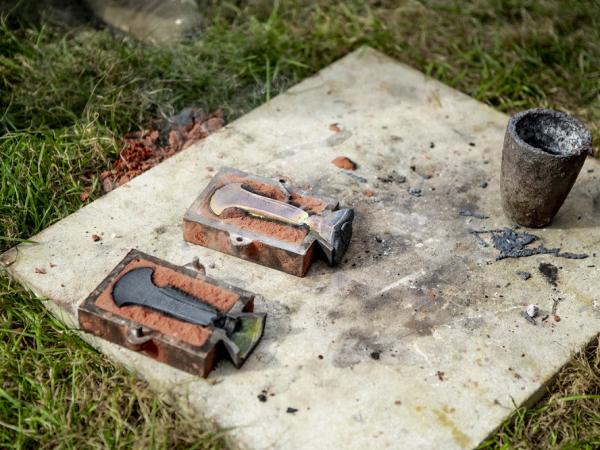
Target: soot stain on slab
{"x": 386, "y": 245}
{"x": 420, "y": 326}
{"x": 373, "y": 248}
{"x": 358, "y": 346}
{"x": 549, "y": 272}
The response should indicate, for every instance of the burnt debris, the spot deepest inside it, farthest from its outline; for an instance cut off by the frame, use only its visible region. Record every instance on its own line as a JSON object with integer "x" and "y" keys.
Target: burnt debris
{"x": 392, "y": 179}
{"x": 466, "y": 212}
{"x": 530, "y": 319}
{"x": 512, "y": 244}
{"x": 356, "y": 177}
{"x": 549, "y": 272}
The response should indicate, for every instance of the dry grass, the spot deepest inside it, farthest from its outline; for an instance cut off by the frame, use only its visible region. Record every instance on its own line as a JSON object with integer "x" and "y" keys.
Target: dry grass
{"x": 568, "y": 417}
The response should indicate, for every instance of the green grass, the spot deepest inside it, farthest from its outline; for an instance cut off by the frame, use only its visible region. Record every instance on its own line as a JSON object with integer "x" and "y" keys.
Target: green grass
{"x": 56, "y": 391}
{"x": 68, "y": 93}
{"x": 567, "y": 418}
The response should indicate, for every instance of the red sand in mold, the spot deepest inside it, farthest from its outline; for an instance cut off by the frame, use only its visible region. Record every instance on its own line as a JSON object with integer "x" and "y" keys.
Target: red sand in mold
{"x": 143, "y": 150}
{"x": 193, "y": 334}
{"x": 281, "y": 232}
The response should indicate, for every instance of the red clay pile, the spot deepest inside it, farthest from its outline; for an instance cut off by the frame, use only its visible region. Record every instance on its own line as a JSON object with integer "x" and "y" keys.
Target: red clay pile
{"x": 142, "y": 150}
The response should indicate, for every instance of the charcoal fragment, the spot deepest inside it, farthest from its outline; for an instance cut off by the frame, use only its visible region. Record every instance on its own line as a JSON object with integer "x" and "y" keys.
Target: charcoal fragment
{"x": 472, "y": 214}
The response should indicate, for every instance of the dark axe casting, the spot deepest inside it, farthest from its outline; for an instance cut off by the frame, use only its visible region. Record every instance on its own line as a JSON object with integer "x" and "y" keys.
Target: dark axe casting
{"x": 136, "y": 288}
{"x": 239, "y": 331}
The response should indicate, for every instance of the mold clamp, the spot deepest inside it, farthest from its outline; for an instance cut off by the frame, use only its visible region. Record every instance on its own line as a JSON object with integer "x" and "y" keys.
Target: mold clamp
{"x": 333, "y": 228}
{"x": 239, "y": 331}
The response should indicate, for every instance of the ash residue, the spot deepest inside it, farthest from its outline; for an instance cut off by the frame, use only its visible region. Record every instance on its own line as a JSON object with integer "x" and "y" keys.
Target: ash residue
{"x": 472, "y": 214}
{"x": 511, "y": 244}
{"x": 391, "y": 178}
{"x": 550, "y": 273}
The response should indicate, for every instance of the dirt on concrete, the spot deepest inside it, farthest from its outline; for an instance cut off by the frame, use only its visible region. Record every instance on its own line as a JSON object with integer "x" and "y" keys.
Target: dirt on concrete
{"x": 142, "y": 150}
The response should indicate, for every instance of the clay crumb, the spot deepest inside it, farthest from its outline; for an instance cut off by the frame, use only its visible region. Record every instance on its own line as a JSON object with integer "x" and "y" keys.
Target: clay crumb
{"x": 397, "y": 402}
{"x": 334, "y": 127}
{"x": 43, "y": 272}
{"x": 209, "y": 168}
{"x": 556, "y": 318}
{"x": 369, "y": 193}
{"x": 95, "y": 237}
{"x": 52, "y": 265}
{"x": 344, "y": 163}
{"x": 84, "y": 196}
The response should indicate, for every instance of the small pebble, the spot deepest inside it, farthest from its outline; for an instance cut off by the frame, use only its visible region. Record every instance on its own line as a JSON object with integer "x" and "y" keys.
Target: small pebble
{"x": 590, "y": 170}
{"x": 262, "y": 397}
{"x": 211, "y": 266}
{"x": 472, "y": 144}
{"x": 533, "y": 310}
{"x": 525, "y": 275}
{"x": 414, "y": 191}
{"x": 375, "y": 355}
{"x": 485, "y": 161}
{"x": 291, "y": 410}
{"x": 484, "y": 185}
{"x": 358, "y": 417}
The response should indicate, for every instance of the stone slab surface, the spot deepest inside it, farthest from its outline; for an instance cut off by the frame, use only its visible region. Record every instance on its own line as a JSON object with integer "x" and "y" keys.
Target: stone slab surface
{"x": 416, "y": 290}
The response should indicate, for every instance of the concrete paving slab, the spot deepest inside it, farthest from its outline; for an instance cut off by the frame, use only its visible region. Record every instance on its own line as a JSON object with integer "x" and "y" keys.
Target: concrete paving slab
{"x": 416, "y": 339}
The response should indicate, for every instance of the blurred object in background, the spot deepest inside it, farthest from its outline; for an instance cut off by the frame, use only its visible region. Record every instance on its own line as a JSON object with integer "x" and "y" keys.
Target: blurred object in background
{"x": 151, "y": 21}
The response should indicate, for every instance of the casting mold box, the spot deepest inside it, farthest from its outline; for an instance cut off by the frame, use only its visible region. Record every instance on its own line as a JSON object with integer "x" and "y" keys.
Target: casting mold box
{"x": 186, "y": 346}
{"x": 285, "y": 247}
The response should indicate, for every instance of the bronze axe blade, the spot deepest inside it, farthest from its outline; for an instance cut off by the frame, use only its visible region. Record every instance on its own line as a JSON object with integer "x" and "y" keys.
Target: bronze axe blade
{"x": 333, "y": 228}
